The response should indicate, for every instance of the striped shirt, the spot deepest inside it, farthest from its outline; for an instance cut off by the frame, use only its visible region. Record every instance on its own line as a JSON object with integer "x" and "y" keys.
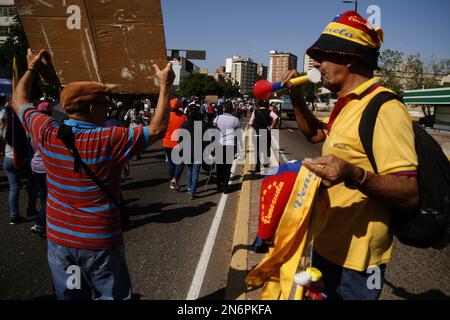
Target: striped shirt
{"x": 79, "y": 214}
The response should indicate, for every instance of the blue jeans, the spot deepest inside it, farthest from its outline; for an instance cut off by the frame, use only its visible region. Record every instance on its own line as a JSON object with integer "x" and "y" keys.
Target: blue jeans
{"x": 14, "y": 177}
{"x": 102, "y": 274}
{"x": 192, "y": 177}
{"x": 347, "y": 284}
{"x": 41, "y": 179}
{"x": 175, "y": 170}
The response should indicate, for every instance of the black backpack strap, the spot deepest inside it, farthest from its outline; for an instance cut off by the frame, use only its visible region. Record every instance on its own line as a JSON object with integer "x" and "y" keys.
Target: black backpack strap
{"x": 65, "y": 134}
{"x": 368, "y": 120}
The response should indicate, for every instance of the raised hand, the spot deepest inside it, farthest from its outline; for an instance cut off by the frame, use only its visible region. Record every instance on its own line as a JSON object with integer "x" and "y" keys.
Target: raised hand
{"x": 165, "y": 76}
{"x": 34, "y": 60}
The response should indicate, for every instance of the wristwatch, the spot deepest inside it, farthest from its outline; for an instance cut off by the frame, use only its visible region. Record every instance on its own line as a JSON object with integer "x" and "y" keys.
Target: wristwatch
{"x": 357, "y": 183}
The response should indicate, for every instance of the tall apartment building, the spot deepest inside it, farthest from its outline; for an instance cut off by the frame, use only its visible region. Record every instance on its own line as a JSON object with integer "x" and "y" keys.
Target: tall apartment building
{"x": 307, "y": 63}
{"x": 6, "y": 18}
{"x": 229, "y": 63}
{"x": 279, "y": 62}
{"x": 261, "y": 71}
{"x": 244, "y": 72}
{"x": 220, "y": 74}
{"x": 220, "y": 69}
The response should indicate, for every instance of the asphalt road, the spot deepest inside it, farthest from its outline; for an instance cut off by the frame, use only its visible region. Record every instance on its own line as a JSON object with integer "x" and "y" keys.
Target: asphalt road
{"x": 163, "y": 247}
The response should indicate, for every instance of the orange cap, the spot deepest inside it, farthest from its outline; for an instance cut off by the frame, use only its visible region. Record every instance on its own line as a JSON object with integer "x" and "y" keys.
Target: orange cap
{"x": 174, "y": 103}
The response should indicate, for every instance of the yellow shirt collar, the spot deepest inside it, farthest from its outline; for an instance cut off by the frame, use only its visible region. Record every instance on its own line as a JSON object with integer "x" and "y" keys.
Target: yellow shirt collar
{"x": 363, "y": 87}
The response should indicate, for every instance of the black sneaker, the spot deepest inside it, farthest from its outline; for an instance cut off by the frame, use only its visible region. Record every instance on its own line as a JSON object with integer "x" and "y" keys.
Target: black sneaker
{"x": 40, "y": 231}
{"x": 17, "y": 220}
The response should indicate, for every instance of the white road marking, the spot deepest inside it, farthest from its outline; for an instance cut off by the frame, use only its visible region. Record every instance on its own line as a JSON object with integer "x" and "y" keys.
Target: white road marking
{"x": 200, "y": 271}
{"x": 278, "y": 150}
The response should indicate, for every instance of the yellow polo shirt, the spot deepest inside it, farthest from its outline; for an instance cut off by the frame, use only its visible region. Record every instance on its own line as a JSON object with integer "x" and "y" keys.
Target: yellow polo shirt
{"x": 355, "y": 231}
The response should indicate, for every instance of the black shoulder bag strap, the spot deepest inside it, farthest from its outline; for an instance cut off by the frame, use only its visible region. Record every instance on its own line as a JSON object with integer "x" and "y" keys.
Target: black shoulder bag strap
{"x": 368, "y": 120}
{"x": 65, "y": 134}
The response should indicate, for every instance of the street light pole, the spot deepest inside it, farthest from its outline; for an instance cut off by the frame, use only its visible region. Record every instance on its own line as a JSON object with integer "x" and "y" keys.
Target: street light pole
{"x": 355, "y": 2}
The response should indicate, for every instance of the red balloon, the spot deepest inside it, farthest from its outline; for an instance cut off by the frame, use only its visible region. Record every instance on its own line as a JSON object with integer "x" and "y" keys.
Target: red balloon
{"x": 263, "y": 90}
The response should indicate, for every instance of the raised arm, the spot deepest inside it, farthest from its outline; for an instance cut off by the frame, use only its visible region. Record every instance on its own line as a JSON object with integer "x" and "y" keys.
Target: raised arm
{"x": 22, "y": 92}
{"x": 160, "y": 121}
{"x": 308, "y": 124}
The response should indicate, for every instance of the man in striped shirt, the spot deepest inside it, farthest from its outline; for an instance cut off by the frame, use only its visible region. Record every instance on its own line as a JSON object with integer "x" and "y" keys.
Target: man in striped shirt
{"x": 83, "y": 224}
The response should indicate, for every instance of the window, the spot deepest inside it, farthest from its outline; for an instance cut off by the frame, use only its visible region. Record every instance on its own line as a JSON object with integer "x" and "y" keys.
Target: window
{"x": 10, "y": 11}
{"x": 6, "y": 11}
{"x": 4, "y": 31}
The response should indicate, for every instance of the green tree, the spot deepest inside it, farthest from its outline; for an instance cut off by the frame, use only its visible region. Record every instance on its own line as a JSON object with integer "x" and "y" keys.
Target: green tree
{"x": 410, "y": 73}
{"x": 437, "y": 71}
{"x": 414, "y": 72}
{"x": 390, "y": 63}
{"x": 200, "y": 85}
{"x": 228, "y": 89}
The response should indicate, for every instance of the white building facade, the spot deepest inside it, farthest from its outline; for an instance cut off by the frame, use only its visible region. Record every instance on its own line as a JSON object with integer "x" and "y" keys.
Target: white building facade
{"x": 308, "y": 63}
{"x": 244, "y": 73}
{"x": 6, "y": 18}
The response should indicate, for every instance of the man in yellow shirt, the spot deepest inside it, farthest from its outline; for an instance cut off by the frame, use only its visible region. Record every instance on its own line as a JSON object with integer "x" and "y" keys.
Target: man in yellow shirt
{"x": 355, "y": 243}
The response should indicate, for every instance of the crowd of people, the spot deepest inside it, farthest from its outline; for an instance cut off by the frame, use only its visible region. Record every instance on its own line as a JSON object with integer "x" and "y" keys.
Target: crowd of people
{"x": 70, "y": 162}
{"x": 185, "y": 112}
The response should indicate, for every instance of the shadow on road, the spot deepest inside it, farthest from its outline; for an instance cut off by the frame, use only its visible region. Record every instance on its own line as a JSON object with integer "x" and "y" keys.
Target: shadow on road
{"x": 217, "y": 295}
{"x": 144, "y": 209}
{"x": 143, "y": 162}
{"x": 143, "y": 184}
{"x": 166, "y": 216}
{"x": 432, "y": 294}
{"x": 237, "y": 285}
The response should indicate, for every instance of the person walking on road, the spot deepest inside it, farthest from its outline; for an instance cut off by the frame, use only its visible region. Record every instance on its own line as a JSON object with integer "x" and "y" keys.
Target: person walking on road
{"x": 15, "y": 170}
{"x": 355, "y": 240}
{"x": 228, "y": 125}
{"x": 196, "y": 128}
{"x": 84, "y": 233}
{"x": 177, "y": 118}
{"x": 135, "y": 116}
{"x": 263, "y": 121}
{"x": 39, "y": 173}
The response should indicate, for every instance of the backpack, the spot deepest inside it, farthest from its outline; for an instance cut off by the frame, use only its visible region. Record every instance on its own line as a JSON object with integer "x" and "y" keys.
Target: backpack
{"x": 262, "y": 119}
{"x": 210, "y": 109}
{"x": 428, "y": 225}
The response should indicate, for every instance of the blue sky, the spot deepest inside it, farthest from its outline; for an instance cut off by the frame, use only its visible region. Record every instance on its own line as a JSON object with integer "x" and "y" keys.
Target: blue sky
{"x": 251, "y": 28}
